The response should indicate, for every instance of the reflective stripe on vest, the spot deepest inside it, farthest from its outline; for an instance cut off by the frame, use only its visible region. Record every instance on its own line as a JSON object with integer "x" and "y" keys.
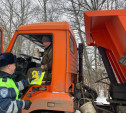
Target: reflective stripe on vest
{"x": 38, "y": 75}
{"x": 10, "y": 84}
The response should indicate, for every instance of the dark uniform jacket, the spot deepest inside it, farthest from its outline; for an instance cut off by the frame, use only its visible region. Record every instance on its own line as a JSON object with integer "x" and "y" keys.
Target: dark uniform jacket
{"x": 8, "y": 102}
{"x": 47, "y": 62}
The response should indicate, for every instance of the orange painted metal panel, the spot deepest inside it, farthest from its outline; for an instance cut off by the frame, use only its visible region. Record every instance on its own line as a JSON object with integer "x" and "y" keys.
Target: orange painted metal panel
{"x": 72, "y": 66}
{"x": 64, "y": 65}
{"x": 59, "y": 61}
{"x": 46, "y": 26}
{"x": 12, "y": 42}
{"x": 72, "y": 56}
{"x": 97, "y": 18}
{"x": 108, "y": 30}
{"x": 59, "y": 56}
{"x": 41, "y": 100}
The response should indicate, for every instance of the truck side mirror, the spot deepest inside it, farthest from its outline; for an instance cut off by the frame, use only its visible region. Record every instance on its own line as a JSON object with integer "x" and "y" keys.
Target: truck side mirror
{"x": 1, "y": 40}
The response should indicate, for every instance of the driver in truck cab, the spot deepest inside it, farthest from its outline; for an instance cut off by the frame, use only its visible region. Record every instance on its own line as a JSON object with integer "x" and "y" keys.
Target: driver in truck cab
{"x": 46, "y": 64}
{"x": 9, "y": 89}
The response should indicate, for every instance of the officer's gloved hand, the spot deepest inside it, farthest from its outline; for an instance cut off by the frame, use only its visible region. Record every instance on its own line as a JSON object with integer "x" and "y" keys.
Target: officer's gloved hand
{"x": 26, "y": 104}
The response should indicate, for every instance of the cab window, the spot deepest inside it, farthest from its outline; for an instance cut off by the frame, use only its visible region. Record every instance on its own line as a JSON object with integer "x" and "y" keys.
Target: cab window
{"x": 71, "y": 45}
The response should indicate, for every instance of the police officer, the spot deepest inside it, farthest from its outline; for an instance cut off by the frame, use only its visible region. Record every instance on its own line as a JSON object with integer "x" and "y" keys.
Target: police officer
{"x": 9, "y": 89}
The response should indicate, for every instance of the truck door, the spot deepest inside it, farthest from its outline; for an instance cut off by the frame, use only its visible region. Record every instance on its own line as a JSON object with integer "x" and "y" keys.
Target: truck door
{"x": 1, "y": 40}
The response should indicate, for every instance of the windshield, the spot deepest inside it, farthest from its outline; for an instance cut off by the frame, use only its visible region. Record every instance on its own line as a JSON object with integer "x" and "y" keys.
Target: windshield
{"x": 24, "y": 48}
{"x": 26, "y": 44}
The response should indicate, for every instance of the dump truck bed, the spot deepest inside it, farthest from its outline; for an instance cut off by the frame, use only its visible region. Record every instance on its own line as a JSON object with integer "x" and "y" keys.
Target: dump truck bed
{"x": 107, "y": 29}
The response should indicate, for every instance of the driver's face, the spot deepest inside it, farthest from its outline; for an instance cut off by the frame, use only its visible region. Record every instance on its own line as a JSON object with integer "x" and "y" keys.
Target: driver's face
{"x": 46, "y": 44}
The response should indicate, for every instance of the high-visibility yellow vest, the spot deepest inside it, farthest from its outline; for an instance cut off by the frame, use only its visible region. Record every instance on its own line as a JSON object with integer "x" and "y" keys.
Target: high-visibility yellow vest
{"x": 10, "y": 84}
{"x": 38, "y": 75}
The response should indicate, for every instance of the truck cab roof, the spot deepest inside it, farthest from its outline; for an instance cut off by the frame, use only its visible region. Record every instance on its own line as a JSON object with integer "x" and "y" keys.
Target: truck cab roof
{"x": 46, "y": 26}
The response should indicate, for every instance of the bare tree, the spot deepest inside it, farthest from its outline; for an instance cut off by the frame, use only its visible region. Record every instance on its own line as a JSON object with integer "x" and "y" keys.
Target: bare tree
{"x": 114, "y": 4}
{"x": 48, "y": 10}
{"x": 6, "y": 19}
{"x": 73, "y": 9}
{"x": 18, "y": 12}
{"x": 13, "y": 14}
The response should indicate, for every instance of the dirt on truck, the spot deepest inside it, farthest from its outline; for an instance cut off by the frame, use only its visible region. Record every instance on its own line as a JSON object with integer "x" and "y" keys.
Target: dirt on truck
{"x": 55, "y": 95}
{"x": 66, "y": 92}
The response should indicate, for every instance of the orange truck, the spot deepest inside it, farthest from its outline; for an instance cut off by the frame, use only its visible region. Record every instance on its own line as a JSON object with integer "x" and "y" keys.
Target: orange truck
{"x": 57, "y": 95}
{"x": 66, "y": 92}
{"x": 106, "y": 30}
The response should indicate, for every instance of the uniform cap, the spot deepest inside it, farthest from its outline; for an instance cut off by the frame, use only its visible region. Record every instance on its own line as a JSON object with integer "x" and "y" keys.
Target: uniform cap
{"x": 46, "y": 39}
{"x": 7, "y": 58}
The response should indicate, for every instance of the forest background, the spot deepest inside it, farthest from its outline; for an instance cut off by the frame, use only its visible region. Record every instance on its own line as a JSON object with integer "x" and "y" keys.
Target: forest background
{"x": 14, "y": 13}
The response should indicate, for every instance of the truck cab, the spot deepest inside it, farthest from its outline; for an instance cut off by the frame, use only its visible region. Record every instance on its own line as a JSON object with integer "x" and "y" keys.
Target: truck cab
{"x": 57, "y": 95}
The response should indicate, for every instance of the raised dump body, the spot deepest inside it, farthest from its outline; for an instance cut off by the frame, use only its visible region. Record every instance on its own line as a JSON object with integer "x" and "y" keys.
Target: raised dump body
{"x": 107, "y": 31}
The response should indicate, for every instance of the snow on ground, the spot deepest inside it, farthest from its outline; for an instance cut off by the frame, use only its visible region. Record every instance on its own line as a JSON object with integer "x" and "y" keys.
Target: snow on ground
{"x": 77, "y": 111}
{"x": 102, "y": 100}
